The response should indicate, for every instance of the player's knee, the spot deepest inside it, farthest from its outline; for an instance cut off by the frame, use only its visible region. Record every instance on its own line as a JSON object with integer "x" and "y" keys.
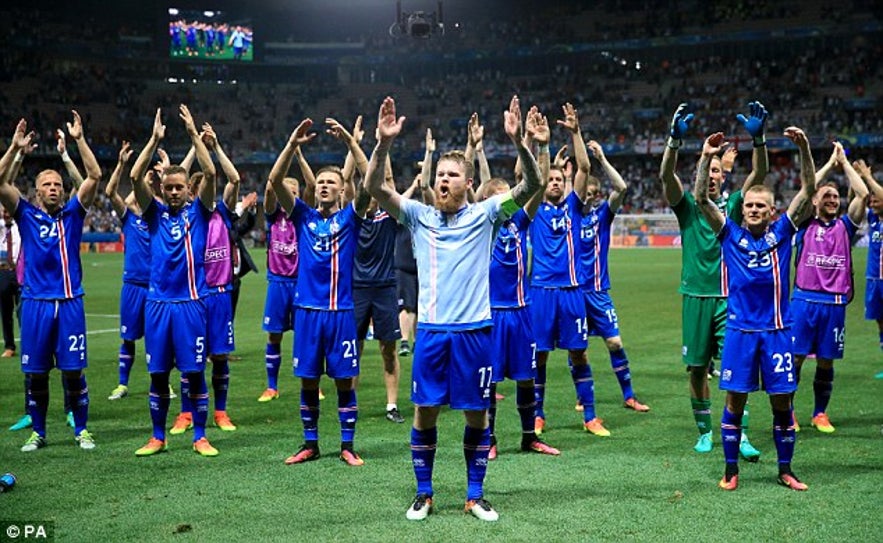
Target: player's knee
{"x": 578, "y": 358}
{"x": 614, "y": 343}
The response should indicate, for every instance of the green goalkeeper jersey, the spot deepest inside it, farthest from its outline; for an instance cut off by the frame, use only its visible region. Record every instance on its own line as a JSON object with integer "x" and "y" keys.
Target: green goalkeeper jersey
{"x": 702, "y": 270}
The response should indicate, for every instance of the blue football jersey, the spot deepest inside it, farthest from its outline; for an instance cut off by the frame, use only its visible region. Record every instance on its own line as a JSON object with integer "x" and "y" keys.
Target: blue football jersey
{"x": 594, "y": 245}
{"x": 136, "y": 249}
{"x": 326, "y": 249}
{"x": 759, "y": 271}
{"x": 177, "y": 251}
{"x": 554, "y": 244}
{"x": 51, "y": 244}
{"x": 375, "y": 255}
{"x": 508, "y": 272}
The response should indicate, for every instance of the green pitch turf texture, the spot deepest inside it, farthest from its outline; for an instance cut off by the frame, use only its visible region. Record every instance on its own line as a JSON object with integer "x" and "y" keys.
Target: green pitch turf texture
{"x": 644, "y": 483}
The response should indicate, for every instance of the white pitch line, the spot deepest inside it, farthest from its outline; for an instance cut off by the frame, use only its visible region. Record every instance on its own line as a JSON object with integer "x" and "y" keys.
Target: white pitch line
{"x": 103, "y": 316}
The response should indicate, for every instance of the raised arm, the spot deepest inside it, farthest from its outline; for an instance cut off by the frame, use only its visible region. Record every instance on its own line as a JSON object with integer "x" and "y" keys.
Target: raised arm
{"x": 306, "y": 172}
{"x": 754, "y": 125}
{"x": 856, "y": 207}
{"x": 21, "y": 140}
{"x": 474, "y": 135}
{"x": 425, "y": 178}
{"x": 713, "y": 144}
{"x": 617, "y": 194}
{"x": 865, "y": 171}
{"x": 531, "y": 180}
{"x": 801, "y": 207}
{"x": 672, "y": 187}
{"x": 354, "y": 151}
{"x": 583, "y": 166}
{"x": 187, "y": 163}
{"x": 111, "y": 190}
{"x": 284, "y": 195}
{"x": 826, "y": 168}
{"x": 87, "y": 191}
{"x": 354, "y": 162}
{"x": 388, "y": 127}
{"x": 207, "y": 188}
{"x": 143, "y": 192}
{"x": 231, "y": 188}
{"x": 69, "y": 165}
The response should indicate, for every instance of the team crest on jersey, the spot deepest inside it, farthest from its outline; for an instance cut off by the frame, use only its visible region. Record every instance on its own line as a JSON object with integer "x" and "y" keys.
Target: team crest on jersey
{"x": 512, "y": 228}
{"x": 335, "y": 228}
{"x": 770, "y": 238}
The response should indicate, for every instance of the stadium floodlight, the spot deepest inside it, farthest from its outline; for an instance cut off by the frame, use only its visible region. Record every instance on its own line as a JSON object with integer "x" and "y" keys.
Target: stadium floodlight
{"x": 173, "y": 12}
{"x": 418, "y": 24}
{"x": 208, "y": 13}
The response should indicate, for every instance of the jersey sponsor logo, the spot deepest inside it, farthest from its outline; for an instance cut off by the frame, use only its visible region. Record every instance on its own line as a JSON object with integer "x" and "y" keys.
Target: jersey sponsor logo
{"x": 828, "y": 262}
{"x": 283, "y": 248}
{"x": 743, "y": 243}
{"x": 820, "y": 233}
{"x": 217, "y": 254}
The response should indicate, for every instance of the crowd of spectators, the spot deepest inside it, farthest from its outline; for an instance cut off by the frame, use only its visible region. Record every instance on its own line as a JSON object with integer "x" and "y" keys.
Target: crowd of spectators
{"x": 830, "y": 85}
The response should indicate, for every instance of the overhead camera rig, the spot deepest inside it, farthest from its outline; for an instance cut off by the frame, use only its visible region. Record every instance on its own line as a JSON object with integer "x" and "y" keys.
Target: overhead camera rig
{"x": 418, "y": 24}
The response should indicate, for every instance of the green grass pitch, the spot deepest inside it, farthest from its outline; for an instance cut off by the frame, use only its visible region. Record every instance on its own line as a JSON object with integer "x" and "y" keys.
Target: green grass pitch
{"x": 644, "y": 483}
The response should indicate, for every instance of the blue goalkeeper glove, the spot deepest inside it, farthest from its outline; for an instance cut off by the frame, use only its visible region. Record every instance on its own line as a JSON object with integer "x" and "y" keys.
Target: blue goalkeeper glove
{"x": 680, "y": 122}
{"x": 754, "y": 122}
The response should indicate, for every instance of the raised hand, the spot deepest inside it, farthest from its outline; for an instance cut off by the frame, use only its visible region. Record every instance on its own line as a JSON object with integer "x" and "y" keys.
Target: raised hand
{"x": 60, "y": 138}
{"x": 300, "y": 134}
{"x": 21, "y": 138}
{"x": 125, "y": 152}
{"x": 75, "y": 129}
{"x": 358, "y": 131}
{"x": 209, "y": 137}
{"x": 571, "y": 119}
{"x": 862, "y": 168}
{"x": 714, "y": 143}
{"x": 560, "y": 157}
{"x": 249, "y": 200}
{"x": 163, "y": 161}
{"x": 475, "y": 130}
{"x": 596, "y": 149}
{"x": 729, "y": 159}
{"x": 538, "y": 127}
{"x": 159, "y": 129}
{"x": 388, "y": 125}
{"x": 756, "y": 119}
{"x": 512, "y": 120}
{"x": 189, "y": 124}
{"x": 337, "y": 130}
{"x": 680, "y": 122}
{"x": 430, "y": 141}
{"x": 797, "y": 136}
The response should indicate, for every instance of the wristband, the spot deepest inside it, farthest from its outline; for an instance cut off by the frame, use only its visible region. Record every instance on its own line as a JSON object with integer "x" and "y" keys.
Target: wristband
{"x": 65, "y": 157}
{"x": 759, "y": 141}
{"x": 544, "y": 148}
{"x": 18, "y": 156}
{"x": 674, "y": 144}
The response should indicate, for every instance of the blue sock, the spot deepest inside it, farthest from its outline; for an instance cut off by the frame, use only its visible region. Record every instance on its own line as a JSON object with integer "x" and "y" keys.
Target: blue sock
{"x": 78, "y": 399}
{"x": 784, "y": 435}
{"x": 68, "y": 407}
{"x": 620, "y": 364}
{"x": 199, "y": 403}
{"x": 423, "y": 445}
{"x": 539, "y": 390}
{"x": 731, "y": 435}
{"x": 822, "y": 387}
{"x": 27, "y": 393}
{"x": 220, "y": 381}
{"x": 309, "y": 413}
{"x": 186, "y": 405}
{"x": 273, "y": 359}
{"x": 127, "y": 357}
{"x": 38, "y": 403}
{"x": 476, "y": 445}
{"x": 492, "y": 412}
{"x": 524, "y": 400}
{"x": 348, "y": 414}
{"x": 585, "y": 389}
{"x": 159, "y": 403}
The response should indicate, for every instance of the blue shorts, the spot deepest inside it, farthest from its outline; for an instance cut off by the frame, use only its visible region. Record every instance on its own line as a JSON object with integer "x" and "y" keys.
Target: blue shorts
{"x": 749, "y": 355}
{"x": 874, "y": 300}
{"x": 452, "y": 368}
{"x": 279, "y": 309}
{"x": 600, "y": 314}
{"x": 219, "y": 323}
{"x": 818, "y": 328}
{"x": 559, "y": 318}
{"x": 133, "y": 298}
{"x": 513, "y": 350}
{"x": 380, "y": 305}
{"x": 55, "y": 332}
{"x": 327, "y": 344}
{"x": 174, "y": 336}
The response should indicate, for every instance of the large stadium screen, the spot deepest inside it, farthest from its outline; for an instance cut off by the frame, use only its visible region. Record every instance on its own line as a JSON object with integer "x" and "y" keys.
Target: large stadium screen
{"x": 209, "y": 35}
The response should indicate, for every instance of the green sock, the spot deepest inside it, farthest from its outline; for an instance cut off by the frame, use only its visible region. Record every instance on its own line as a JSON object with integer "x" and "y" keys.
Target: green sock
{"x": 702, "y": 414}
